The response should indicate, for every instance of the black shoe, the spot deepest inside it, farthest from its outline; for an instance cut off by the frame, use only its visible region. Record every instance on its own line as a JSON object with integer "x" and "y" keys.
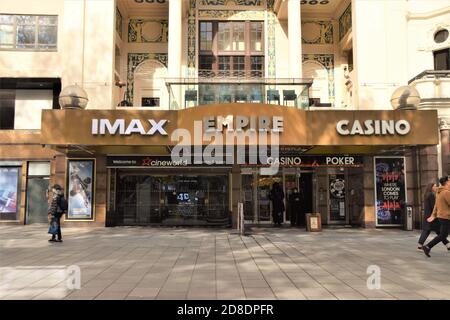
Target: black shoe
{"x": 426, "y": 250}
{"x": 59, "y": 240}
{"x": 52, "y": 240}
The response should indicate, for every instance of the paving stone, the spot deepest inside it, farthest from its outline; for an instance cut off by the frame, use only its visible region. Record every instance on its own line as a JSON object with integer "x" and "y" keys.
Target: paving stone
{"x": 159, "y": 263}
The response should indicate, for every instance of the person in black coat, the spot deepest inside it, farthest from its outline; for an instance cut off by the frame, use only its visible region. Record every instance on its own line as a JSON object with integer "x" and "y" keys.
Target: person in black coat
{"x": 276, "y": 195}
{"x": 429, "y": 200}
{"x": 55, "y": 212}
{"x": 295, "y": 204}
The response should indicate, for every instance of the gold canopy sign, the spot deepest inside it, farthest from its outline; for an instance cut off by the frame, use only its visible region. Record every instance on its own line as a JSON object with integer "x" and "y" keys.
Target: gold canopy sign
{"x": 295, "y": 127}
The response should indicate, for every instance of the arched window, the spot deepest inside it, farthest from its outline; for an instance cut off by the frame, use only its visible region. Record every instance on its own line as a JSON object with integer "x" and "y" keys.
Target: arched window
{"x": 319, "y": 88}
{"x": 149, "y": 86}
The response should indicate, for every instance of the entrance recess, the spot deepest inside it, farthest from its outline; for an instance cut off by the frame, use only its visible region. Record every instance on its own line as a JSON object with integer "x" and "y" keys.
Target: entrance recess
{"x": 38, "y": 178}
{"x": 143, "y": 197}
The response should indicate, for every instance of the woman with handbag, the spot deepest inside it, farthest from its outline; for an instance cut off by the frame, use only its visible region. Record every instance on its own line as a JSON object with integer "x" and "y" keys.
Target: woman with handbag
{"x": 55, "y": 213}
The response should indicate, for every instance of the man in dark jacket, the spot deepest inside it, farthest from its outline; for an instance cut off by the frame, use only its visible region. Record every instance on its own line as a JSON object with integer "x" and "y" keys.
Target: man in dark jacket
{"x": 295, "y": 204}
{"x": 55, "y": 212}
{"x": 277, "y": 197}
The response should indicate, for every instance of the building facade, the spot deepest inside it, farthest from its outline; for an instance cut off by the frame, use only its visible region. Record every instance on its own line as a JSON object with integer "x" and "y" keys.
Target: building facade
{"x": 318, "y": 78}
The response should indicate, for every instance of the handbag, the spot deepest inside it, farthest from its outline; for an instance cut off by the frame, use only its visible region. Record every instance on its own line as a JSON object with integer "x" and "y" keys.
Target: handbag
{"x": 54, "y": 227}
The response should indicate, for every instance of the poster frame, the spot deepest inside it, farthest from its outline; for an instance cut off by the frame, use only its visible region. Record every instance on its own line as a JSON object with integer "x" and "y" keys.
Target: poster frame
{"x": 375, "y": 188}
{"x": 94, "y": 178}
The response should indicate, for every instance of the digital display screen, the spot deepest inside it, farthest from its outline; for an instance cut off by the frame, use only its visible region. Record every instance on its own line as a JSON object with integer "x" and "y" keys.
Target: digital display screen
{"x": 183, "y": 196}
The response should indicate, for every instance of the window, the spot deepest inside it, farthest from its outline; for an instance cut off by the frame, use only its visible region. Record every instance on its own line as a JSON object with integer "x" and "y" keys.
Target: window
{"x": 224, "y": 34}
{"x": 238, "y": 36}
{"x": 23, "y": 99}
{"x": 150, "y": 102}
{"x": 28, "y": 32}
{"x": 206, "y": 62}
{"x": 256, "y": 36}
{"x": 257, "y": 66}
{"x": 441, "y": 36}
{"x": 206, "y": 36}
{"x": 231, "y": 48}
{"x": 238, "y": 65}
{"x": 7, "y": 101}
{"x": 442, "y": 59}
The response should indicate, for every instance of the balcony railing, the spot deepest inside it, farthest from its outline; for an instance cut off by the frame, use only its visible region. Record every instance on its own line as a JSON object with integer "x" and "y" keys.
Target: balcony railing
{"x": 431, "y": 74}
{"x": 224, "y": 86}
{"x": 433, "y": 87}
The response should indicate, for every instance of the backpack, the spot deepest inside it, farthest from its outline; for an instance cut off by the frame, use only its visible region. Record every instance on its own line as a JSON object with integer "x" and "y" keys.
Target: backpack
{"x": 63, "y": 204}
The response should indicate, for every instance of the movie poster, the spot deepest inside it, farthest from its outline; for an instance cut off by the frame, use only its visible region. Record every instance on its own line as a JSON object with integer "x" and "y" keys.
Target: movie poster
{"x": 390, "y": 190}
{"x": 8, "y": 189}
{"x": 80, "y": 189}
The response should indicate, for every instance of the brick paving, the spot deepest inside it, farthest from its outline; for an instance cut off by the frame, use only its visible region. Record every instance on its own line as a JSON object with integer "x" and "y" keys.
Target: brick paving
{"x": 196, "y": 263}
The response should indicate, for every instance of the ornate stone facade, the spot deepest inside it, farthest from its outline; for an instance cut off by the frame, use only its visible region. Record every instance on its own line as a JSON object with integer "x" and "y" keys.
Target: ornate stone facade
{"x": 148, "y": 30}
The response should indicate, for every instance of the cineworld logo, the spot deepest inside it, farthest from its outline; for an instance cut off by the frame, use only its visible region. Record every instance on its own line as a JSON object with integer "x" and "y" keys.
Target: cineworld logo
{"x": 119, "y": 126}
{"x": 373, "y": 127}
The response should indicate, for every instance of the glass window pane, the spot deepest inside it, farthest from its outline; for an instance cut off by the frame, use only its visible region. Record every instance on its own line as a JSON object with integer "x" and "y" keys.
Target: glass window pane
{"x": 205, "y": 62}
{"x": 6, "y": 36}
{"x": 256, "y": 36}
{"x": 442, "y": 60}
{"x": 48, "y": 20}
{"x": 6, "y": 19}
{"x": 224, "y": 36}
{"x": 206, "y": 36}
{"x": 27, "y": 20}
{"x": 47, "y": 35}
{"x": 25, "y": 36}
{"x": 257, "y": 64}
{"x": 238, "y": 37}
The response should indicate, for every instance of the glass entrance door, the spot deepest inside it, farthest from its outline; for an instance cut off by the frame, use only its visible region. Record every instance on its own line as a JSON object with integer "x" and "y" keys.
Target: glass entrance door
{"x": 264, "y": 185}
{"x": 337, "y": 198}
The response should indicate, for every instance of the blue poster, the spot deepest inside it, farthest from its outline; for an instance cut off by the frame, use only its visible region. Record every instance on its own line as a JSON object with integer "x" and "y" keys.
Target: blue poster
{"x": 8, "y": 189}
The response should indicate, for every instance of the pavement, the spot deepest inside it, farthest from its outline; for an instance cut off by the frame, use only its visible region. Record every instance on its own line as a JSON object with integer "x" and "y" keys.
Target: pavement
{"x": 207, "y": 263}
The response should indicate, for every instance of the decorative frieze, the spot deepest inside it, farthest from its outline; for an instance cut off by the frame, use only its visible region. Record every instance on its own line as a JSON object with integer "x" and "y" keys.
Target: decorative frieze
{"x": 148, "y": 30}
{"x": 317, "y": 32}
{"x": 271, "y": 47}
{"x": 231, "y": 14}
{"x": 192, "y": 37}
{"x": 345, "y": 22}
{"x": 231, "y": 2}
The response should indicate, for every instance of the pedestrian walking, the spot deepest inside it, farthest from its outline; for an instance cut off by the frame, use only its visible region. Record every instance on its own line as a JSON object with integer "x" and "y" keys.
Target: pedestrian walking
{"x": 276, "y": 195}
{"x": 57, "y": 207}
{"x": 441, "y": 212}
{"x": 429, "y": 200}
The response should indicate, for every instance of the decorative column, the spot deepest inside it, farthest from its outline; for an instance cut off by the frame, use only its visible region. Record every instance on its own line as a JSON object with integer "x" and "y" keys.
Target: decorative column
{"x": 236, "y": 183}
{"x": 444, "y": 130}
{"x": 295, "y": 38}
{"x": 174, "y": 46}
{"x": 368, "y": 216}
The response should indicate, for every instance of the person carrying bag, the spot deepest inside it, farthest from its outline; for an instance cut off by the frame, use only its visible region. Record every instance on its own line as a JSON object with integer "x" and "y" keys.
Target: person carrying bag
{"x": 58, "y": 206}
